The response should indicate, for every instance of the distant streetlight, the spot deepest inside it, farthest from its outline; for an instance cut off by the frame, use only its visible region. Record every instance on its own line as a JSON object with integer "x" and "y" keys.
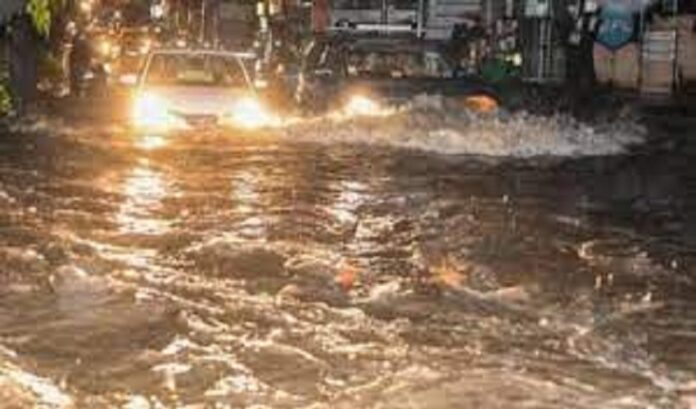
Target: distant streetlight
{"x": 86, "y": 6}
{"x": 157, "y": 11}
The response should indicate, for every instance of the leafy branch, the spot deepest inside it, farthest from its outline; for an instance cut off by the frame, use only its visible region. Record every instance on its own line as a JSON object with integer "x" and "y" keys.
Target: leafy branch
{"x": 42, "y": 13}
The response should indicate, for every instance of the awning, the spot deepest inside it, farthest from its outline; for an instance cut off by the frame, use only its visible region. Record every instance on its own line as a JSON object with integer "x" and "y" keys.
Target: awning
{"x": 633, "y": 5}
{"x": 8, "y": 8}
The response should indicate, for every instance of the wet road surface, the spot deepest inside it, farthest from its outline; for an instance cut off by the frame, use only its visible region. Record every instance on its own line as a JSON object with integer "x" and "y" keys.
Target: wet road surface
{"x": 225, "y": 271}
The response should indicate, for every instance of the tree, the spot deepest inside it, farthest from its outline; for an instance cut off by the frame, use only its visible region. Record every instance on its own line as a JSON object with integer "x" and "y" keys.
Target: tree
{"x": 43, "y": 13}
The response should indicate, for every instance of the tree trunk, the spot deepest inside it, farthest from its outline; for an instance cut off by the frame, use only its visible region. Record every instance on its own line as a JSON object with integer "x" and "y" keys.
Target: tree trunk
{"x": 23, "y": 56}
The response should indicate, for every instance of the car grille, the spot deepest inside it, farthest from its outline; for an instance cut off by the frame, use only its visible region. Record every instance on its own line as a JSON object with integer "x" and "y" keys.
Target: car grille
{"x": 200, "y": 120}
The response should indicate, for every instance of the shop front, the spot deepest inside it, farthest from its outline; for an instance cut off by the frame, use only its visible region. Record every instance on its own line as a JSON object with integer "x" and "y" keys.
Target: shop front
{"x": 645, "y": 46}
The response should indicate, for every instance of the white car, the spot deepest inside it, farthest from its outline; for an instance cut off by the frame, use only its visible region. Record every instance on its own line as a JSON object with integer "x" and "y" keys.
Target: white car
{"x": 187, "y": 89}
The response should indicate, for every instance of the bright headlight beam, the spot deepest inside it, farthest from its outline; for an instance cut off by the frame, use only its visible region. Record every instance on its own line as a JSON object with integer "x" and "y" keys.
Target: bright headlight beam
{"x": 250, "y": 113}
{"x": 150, "y": 111}
{"x": 360, "y": 105}
{"x": 105, "y": 48}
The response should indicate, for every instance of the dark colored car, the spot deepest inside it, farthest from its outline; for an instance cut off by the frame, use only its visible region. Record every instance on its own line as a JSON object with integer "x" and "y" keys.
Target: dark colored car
{"x": 390, "y": 71}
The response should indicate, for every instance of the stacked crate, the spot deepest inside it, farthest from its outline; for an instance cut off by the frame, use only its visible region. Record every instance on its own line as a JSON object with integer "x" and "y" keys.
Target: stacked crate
{"x": 658, "y": 61}
{"x": 686, "y": 49}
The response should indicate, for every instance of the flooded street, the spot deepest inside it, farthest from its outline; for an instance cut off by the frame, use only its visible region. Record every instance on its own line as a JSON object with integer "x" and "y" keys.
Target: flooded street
{"x": 351, "y": 269}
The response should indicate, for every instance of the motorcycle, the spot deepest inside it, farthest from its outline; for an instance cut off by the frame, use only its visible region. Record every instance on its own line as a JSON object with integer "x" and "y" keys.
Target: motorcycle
{"x": 93, "y": 80}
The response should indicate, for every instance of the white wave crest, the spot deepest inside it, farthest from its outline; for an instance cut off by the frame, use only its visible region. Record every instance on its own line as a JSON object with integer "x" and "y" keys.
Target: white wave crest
{"x": 430, "y": 125}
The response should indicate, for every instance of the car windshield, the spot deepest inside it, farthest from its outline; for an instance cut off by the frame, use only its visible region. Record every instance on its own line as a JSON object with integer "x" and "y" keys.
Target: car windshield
{"x": 396, "y": 64}
{"x": 195, "y": 70}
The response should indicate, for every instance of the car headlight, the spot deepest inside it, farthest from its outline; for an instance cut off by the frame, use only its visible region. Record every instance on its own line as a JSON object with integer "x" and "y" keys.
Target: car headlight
{"x": 105, "y": 48}
{"x": 151, "y": 112}
{"x": 249, "y": 113}
{"x": 360, "y": 105}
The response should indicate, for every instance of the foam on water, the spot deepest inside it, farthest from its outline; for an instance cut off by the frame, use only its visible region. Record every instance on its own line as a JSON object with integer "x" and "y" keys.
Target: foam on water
{"x": 21, "y": 388}
{"x": 56, "y": 125}
{"x": 284, "y": 278}
{"x": 429, "y": 124}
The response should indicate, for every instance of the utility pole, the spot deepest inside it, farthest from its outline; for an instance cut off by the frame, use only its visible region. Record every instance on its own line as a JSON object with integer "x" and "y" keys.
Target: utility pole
{"x": 203, "y": 20}
{"x": 420, "y": 18}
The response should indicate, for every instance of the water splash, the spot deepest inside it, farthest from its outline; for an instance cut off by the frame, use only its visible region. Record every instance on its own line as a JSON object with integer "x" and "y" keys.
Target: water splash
{"x": 429, "y": 124}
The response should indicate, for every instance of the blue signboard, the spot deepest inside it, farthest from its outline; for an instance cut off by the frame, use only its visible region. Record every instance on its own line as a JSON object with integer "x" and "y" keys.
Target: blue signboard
{"x": 616, "y": 26}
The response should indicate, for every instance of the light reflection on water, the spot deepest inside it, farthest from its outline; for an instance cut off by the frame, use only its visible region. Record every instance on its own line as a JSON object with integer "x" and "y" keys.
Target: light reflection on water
{"x": 47, "y": 394}
{"x": 143, "y": 189}
{"x": 351, "y": 195}
{"x": 250, "y": 203}
{"x": 151, "y": 142}
{"x": 245, "y": 344}
{"x": 245, "y": 190}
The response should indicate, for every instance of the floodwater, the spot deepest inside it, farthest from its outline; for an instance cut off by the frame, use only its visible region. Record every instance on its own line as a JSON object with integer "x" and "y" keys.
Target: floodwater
{"x": 533, "y": 262}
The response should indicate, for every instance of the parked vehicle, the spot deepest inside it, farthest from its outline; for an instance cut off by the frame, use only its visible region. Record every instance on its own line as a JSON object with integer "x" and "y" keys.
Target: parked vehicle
{"x": 348, "y": 71}
{"x": 182, "y": 89}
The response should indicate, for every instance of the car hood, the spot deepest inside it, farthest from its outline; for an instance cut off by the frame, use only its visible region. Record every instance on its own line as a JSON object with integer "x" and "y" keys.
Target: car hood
{"x": 195, "y": 100}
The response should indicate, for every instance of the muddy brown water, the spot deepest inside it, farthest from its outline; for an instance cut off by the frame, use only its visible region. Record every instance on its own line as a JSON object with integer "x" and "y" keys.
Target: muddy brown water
{"x": 251, "y": 272}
